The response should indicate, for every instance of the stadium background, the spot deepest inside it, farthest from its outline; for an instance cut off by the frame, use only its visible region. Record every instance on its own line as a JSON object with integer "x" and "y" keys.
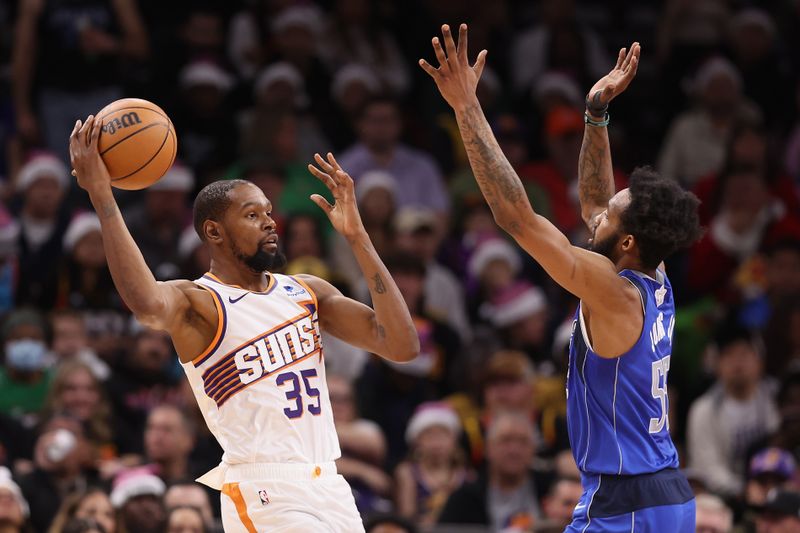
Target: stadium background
{"x": 254, "y": 88}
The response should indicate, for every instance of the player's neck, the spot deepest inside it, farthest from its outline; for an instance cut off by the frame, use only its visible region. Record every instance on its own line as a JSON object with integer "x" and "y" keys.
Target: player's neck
{"x": 627, "y": 262}
{"x": 239, "y": 275}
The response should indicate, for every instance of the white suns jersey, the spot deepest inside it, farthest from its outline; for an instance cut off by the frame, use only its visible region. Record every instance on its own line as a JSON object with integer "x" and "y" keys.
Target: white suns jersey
{"x": 261, "y": 383}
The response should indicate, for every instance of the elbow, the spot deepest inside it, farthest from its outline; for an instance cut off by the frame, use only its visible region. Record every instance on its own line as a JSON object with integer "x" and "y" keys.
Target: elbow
{"x": 407, "y": 352}
{"x": 150, "y": 315}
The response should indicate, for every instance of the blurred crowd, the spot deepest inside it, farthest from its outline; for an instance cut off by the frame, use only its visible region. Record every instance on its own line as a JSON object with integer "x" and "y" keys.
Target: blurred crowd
{"x": 98, "y": 430}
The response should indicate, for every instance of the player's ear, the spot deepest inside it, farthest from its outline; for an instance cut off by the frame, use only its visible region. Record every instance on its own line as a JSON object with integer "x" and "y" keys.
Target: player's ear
{"x": 628, "y": 242}
{"x": 212, "y": 231}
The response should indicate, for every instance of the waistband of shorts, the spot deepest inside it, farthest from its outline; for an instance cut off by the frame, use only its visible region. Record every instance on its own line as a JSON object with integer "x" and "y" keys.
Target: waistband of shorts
{"x": 290, "y": 471}
{"x": 618, "y": 495}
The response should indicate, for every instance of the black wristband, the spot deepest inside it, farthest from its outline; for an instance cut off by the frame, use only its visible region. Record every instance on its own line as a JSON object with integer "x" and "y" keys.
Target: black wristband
{"x": 594, "y": 108}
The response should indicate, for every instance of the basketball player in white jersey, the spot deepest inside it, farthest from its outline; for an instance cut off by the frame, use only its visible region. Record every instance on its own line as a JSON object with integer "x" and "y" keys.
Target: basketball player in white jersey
{"x": 249, "y": 342}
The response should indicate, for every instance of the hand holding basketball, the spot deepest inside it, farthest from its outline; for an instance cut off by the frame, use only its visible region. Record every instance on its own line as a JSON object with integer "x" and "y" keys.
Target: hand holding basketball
{"x": 343, "y": 214}
{"x": 89, "y": 167}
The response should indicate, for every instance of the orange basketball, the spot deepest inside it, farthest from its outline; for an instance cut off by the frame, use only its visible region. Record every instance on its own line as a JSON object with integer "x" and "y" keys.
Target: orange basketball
{"x": 137, "y": 142}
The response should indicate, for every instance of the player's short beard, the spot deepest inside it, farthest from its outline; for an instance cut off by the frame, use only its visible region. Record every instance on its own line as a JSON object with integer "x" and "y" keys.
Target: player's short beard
{"x": 606, "y": 246}
{"x": 261, "y": 261}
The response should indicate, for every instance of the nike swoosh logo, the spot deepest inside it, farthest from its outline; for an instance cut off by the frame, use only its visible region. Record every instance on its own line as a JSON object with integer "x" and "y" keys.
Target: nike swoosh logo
{"x": 233, "y": 301}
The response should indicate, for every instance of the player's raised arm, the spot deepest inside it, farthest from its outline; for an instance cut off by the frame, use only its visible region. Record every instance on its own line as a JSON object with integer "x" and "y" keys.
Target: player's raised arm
{"x": 388, "y": 329}
{"x": 156, "y": 304}
{"x": 595, "y": 173}
{"x": 587, "y": 275}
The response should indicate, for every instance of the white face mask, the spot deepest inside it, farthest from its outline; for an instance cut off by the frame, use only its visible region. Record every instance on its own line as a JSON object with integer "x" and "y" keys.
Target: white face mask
{"x": 26, "y": 355}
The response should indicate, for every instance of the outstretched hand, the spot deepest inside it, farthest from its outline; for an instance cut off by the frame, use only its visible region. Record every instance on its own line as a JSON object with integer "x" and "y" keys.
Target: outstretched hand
{"x": 455, "y": 78}
{"x": 615, "y": 82}
{"x": 343, "y": 214}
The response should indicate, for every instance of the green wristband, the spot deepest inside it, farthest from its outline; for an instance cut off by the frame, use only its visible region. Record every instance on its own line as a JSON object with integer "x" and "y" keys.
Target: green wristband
{"x": 592, "y": 122}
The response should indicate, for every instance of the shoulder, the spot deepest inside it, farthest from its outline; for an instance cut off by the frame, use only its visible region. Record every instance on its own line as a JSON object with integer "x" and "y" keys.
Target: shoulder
{"x": 322, "y": 289}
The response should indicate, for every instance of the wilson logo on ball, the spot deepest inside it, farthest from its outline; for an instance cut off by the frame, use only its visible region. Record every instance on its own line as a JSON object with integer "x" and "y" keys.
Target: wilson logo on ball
{"x": 126, "y": 120}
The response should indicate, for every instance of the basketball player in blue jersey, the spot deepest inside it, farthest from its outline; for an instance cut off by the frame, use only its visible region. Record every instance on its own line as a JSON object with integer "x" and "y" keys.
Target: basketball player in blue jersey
{"x": 249, "y": 342}
{"x": 617, "y": 403}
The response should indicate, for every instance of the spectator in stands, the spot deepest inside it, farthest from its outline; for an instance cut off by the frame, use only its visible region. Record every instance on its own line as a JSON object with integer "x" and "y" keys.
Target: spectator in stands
{"x": 560, "y": 501}
{"x": 207, "y": 126}
{"x": 559, "y": 42}
{"x": 84, "y": 281}
{"x": 695, "y": 143}
{"x": 363, "y": 450}
{"x": 168, "y": 440}
{"x": 24, "y": 376}
{"x": 389, "y": 393}
{"x": 190, "y": 494}
{"x": 353, "y": 85}
{"x": 141, "y": 381}
{"x": 748, "y": 147}
{"x": 507, "y": 495}
{"x": 749, "y": 219}
{"x": 780, "y": 513}
{"x": 75, "y": 391}
{"x": 713, "y": 516}
{"x": 419, "y": 180}
{"x": 42, "y": 183}
{"x": 507, "y": 384}
{"x": 90, "y": 504}
{"x": 296, "y": 32}
{"x": 156, "y": 225}
{"x": 185, "y": 520}
{"x": 62, "y": 458}
{"x": 280, "y": 88}
{"x": 138, "y": 498}
{"x": 418, "y": 234}
{"x": 493, "y": 265}
{"x": 770, "y": 468}
{"x": 356, "y": 34}
{"x": 735, "y": 413}
{"x": 67, "y": 61}
{"x": 14, "y": 511}
{"x": 766, "y": 72}
{"x": 71, "y": 342}
{"x": 302, "y": 237}
{"x": 519, "y": 314}
{"x": 435, "y": 466}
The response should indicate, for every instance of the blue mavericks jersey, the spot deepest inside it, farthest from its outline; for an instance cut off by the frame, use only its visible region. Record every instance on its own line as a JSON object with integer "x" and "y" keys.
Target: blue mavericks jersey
{"x": 617, "y": 408}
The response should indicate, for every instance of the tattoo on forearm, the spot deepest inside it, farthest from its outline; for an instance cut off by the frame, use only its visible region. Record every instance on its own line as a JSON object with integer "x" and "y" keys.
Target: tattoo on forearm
{"x": 595, "y": 180}
{"x": 108, "y": 209}
{"x": 496, "y": 177}
{"x": 380, "y": 288}
{"x": 381, "y": 332}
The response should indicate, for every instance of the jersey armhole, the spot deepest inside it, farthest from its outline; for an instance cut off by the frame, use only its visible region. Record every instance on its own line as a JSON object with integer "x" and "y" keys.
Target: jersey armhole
{"x": 309, "y": 289}
{"x": 222, "y": 325}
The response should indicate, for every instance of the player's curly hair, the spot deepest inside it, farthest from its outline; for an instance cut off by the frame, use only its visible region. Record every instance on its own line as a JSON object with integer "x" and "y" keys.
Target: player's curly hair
{"x": 661, "y": 216}
{"x": 212, "y": 202}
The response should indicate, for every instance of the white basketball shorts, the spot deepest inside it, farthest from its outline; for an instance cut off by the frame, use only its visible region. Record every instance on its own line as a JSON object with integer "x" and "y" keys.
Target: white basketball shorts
{"x": 278, "y": 498}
